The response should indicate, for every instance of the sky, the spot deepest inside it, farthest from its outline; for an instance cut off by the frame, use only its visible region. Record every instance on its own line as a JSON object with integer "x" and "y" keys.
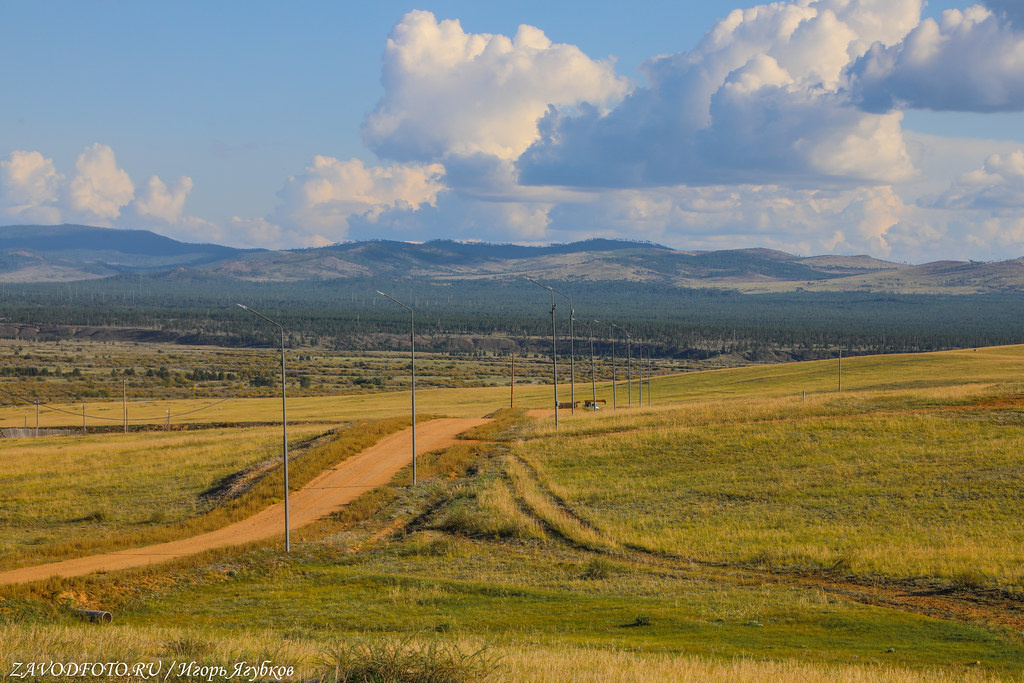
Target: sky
{"x": 893, "y": 128}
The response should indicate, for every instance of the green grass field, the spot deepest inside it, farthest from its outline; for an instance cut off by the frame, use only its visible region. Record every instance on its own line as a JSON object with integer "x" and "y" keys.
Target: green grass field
{"x": 752, "y": 524}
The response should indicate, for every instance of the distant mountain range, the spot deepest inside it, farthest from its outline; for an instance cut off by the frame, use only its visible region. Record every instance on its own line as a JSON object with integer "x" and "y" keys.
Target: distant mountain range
{"x": 30, "y": 253}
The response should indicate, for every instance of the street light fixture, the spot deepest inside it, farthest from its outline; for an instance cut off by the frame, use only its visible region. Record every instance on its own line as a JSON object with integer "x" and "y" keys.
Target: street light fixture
{"x": 554, "y": 342}
{"x": 412, "y": 343}
{"x": 284, "y": 426}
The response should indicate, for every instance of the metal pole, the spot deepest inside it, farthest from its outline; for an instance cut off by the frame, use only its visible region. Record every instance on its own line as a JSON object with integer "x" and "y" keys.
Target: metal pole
{"x": 629, "y": 364}
{"x": 609, "y": 326}
{"x": 572, "y": 357}
{"x": 284, "y": 427}
{"x": 572, "y": 360}
{"x": 840, "y": 368}
{"x": 83, "y": 417}
{"x": 124, "y": 402}
{"x": 640, "y": 368}
{"x": 650, "y": 368}
{"x": 512, "y": 384}
{"x": 284, "y": 446}
{"x": 554, "y": 355}
{"x": 629, "y": 370}
{"x": 412, "y": 344}
{"x": 554, "y": 344}
{"x": 593, "y": 370}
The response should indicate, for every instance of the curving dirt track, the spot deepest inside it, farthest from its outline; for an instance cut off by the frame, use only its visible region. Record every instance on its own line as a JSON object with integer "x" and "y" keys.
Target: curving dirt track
{"x": 328, "y": 492}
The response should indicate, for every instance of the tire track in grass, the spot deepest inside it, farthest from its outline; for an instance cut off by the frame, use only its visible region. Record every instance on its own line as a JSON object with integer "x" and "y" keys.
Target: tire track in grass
{"x": 933, "y": 599}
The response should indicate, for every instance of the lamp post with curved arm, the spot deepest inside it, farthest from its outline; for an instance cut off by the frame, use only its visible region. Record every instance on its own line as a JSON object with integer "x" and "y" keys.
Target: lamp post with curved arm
{"x": 609, "y": 326}
{"x": 412, "y": 343}
{"x": 629, "y": 365}
{"x": 284, "y": 425}
{"x": 572, "y": 354}
{"x": 593, "y": 369}
{"x": 554, "y": 341}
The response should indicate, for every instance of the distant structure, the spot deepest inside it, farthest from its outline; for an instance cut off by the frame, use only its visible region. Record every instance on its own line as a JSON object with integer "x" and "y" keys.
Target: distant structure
{"x": 23, "y": 433}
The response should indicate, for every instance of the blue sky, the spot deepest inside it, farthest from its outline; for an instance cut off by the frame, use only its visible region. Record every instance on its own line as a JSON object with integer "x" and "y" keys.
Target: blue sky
{"x": 889, "y": 127}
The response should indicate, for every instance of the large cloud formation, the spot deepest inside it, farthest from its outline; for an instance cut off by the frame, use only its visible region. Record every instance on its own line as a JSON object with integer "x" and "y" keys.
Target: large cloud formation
{"x": 970, "y": 60}
{"x": 783, "y": 127}
{"x": 452, "y": 92}
{"x": 760, "y": 99}
{"x": 768, "y": 132}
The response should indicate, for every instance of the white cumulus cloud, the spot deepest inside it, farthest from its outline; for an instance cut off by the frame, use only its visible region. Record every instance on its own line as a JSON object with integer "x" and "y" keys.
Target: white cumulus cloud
{"x": 99, "y": 193}
{"x": 997, "y": 186}
{"x": 99, "y": 189}
{"x": 448, "y": 92}
{"x": 970, "y": 60}
{"x": 760, "y": 100}
{"x": 157, "y": 201}
{"x": 29, "y": 188}
{"x": 801, "y": 221}
{"x": 318, "y": 204}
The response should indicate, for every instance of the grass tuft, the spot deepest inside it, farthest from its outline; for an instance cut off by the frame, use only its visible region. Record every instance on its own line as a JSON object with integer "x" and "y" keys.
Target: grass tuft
{"x": 405, "y": 661}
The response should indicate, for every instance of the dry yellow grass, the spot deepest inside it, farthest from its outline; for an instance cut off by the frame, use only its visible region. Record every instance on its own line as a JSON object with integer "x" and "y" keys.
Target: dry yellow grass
{"x": 164, "y": 647}
{"x": 72, "y": 495}
{"x": 467, "y": 402}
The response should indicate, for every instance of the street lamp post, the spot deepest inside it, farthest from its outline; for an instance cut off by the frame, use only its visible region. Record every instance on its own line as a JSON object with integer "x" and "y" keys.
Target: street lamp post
{"x": 572, "y": 352}
{"x": 412, "y": 344}
{"x": 640, "y": 367}
{"x": 650, "y": 369}
{"x": 554, "y": 341}
{"x": 593, "y": 370}
{"x": 284, "y": 426}
{"x": 609, "y": 326}
{"x": 629, "y": 365}
{"x": 629, "y": 370}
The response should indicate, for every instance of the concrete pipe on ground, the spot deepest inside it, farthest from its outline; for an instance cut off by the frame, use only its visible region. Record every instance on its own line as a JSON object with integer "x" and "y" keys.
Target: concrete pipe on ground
{"x": 95, "y": 615}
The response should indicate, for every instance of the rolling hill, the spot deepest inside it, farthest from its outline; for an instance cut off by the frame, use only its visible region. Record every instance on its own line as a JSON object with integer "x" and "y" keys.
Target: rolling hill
{"x": 73, "y": 252}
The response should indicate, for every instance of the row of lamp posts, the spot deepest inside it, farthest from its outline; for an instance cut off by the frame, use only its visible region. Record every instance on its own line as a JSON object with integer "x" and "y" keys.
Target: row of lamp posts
{"x": 412, "y": 344}
{"x": 572, "y": 357}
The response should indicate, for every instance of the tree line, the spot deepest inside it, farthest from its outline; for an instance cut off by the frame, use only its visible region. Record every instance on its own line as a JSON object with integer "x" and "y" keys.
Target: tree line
{"x": 348, "y": 314}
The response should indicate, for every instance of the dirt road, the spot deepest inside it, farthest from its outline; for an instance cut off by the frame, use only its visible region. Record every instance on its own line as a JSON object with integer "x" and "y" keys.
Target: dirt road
{"x": 328, "y": 492}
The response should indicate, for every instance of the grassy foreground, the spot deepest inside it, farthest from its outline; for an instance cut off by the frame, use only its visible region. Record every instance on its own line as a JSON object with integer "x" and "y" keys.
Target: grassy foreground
{"x": 736, "y": 530}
